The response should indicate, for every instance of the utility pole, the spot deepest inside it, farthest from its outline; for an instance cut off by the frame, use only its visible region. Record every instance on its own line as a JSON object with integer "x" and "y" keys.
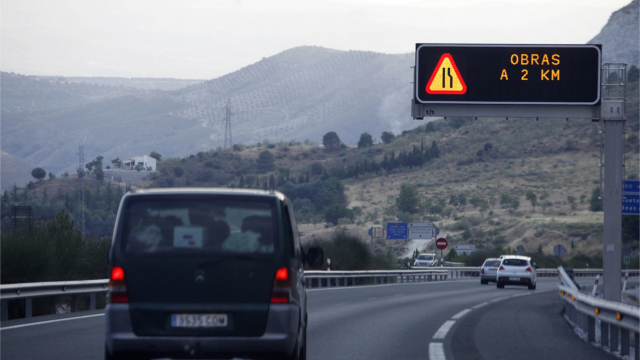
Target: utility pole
{"x": 613, "y": 117}
{"x": 228, "y": 142}
{"x": 80, "y": 189}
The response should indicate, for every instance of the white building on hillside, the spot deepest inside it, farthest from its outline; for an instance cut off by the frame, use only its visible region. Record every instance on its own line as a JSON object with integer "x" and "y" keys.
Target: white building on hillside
{"x": 147, "y": 162}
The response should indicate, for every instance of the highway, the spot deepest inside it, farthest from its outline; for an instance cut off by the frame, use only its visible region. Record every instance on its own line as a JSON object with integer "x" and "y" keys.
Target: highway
{"x": 458, "y": 319}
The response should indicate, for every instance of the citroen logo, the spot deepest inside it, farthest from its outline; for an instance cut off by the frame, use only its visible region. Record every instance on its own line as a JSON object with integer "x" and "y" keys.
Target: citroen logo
{"x": 199, "y": 276}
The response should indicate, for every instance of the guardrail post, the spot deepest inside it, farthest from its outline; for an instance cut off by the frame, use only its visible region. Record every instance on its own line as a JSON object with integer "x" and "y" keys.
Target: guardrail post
{"x": 5, "y": 311}
{"x": 92, "y": 301}
{"x": 591, "y": 329}
{"x": 29, "y": 308}
{"x": 52, "y": 305}
{"x": 74, "y": 303}
{"x": 636, "y": 341}
{"x": 624, "y": 342}
{"x": 613, "y": 338}
{"x": 604, "y": 334}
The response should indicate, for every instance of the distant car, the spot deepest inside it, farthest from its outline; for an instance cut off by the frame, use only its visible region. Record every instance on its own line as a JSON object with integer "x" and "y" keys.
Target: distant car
{"x": 207, "y": 273}
{"x": 425, "y": 260}
{"x": 489, "y": 270}
{"x": 516, "y": 270}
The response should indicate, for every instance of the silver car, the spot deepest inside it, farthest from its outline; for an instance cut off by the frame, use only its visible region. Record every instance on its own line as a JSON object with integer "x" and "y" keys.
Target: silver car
{"x": 489, "y": 270}
{"x": 425, "y": 260}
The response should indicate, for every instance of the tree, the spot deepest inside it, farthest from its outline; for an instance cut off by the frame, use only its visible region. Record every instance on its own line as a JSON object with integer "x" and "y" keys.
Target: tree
{"x": 38, "y": 173}
{"x": 633, "y": 74}
{"x": 317, "y": 168}
{"x": 336, "y": 212}
{"x": 492, "y": 201}
{"x": 266, "y": 161}
{"x": 387, "y": 137}
{"x": 52, "y": 176}
{"x": 487, "y": 147}
{"x": 435, "y": 151}
{"x": 572, "y": 202}
{"x": 366, "y": 140}
{"x": 408, "y": 200}
{"x": 595, "y": 204}
{"x": 331, "y": 141}
{"x": 475, "y": 201}
{"x": 531, "y": 196}
{"x": 139, "y": 167}
{"x": 117, "y": 163}
{"x": 484, "y": 206}
{"x": 156, "y": 155}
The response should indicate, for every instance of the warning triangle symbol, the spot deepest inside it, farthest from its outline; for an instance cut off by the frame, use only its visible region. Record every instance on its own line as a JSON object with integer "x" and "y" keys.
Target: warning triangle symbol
{"x": 446, "y": 78}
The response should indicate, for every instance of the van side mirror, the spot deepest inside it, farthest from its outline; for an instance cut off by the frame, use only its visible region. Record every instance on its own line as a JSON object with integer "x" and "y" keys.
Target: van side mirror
{"x": 315, "y": 257}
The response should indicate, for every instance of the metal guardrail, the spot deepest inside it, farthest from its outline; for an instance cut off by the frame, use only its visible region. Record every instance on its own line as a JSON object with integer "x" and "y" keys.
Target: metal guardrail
{"x": 29, "y": 291}
{"x": 584, "y": 310}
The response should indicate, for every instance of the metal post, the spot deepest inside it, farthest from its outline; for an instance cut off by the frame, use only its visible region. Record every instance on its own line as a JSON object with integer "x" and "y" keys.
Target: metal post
{"x": 591, "y": 331}
{"x": 29, "y": 307}
{"x": 92, "y": 301}
{"x": 624, "y": 341}
{"x": 74, "y": 303}
{"x": 5, "y": 310}
{"x": 52, "y": 305}
{"x": 613, "y": 338}
{"x": 604, "y": 334}
{"x": 636, "y": 341}
{"x": 613, "y": 116}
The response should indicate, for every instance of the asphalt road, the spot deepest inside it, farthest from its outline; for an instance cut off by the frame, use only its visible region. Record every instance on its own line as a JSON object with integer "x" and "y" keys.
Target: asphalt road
{"x": 469, "y": 321}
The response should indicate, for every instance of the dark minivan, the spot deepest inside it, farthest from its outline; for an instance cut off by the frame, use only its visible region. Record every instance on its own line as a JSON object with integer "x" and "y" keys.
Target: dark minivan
{"x": 207, "y": 273}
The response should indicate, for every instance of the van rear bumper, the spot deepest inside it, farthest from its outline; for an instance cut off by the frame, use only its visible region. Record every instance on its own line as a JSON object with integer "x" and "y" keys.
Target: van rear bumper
{"x": 278, "y": 340}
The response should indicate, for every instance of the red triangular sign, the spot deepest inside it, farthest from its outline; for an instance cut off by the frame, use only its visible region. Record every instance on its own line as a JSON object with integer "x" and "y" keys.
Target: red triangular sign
{"x": 446, "y": 78}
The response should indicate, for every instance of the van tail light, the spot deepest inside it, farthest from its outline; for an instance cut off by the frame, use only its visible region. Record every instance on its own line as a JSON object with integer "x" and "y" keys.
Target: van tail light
{"x": 281, "y": 293}
{"x": 528, "y": 269}
{"x": 482, "y": 271}
{"x": 501, "y": 267}
{"x": 117, "y": 287}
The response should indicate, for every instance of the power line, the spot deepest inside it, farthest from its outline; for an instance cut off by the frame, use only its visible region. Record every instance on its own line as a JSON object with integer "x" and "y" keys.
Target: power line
{"x": 228, "y": 142}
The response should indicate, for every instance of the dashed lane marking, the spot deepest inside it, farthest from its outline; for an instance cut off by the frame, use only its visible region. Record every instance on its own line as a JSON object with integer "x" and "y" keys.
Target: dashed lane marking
{"x": 436, "y": 351}
{"x": 444, "y": 329}
{"x": 480, "y": 305}
{"x": 460, "y": 314}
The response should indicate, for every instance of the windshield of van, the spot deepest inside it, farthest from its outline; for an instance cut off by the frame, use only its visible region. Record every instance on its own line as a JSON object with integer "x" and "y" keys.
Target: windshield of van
{"x": 204, "y": 225}
{"x": 425, "y": 257}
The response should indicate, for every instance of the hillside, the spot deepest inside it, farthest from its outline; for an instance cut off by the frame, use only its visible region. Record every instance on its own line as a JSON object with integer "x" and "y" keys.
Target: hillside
{"x": 620, "y": 37}
{"x": 298, "y": 94}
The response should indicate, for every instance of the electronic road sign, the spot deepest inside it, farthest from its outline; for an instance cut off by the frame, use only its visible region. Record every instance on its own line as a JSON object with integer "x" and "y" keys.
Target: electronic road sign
{"x": 507, "y": 74}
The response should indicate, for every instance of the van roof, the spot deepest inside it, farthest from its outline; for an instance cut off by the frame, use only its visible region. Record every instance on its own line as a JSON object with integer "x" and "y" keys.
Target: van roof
{"x": 207, "y": 191}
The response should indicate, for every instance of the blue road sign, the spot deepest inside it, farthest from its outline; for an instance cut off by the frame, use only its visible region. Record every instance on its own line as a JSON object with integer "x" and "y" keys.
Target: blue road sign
{"x": 631, "y": 187}
{"x": 397, "y": 231}
{"x": 370, "y": 231}
{"x": 437, "y": 231}
{"x": 631, "y": 204}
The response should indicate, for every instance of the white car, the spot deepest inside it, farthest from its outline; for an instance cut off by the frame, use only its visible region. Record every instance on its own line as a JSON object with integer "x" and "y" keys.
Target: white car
{"x": 516, "y": 270}
{"x": 425, "y": 260}
{"x": 489, "y": 270}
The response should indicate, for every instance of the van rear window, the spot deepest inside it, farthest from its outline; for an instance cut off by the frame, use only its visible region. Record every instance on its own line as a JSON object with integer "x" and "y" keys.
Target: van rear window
{"x": 199, "y": 225}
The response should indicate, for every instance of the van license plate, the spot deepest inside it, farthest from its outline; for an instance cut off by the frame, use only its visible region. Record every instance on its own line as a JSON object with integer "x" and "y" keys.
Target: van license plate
{"x": 199, "y": 320}
{"x": 514, "y": 279}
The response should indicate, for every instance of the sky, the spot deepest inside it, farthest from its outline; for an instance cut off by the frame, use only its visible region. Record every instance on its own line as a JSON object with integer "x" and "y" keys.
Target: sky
{"x": 205, "y": 39}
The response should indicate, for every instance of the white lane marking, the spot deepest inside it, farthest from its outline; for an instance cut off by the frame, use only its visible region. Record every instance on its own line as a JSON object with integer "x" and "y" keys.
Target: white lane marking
{"x": 480, "y": 305}
{"x": 436, "y": 351}
{"x": 383, "y": 285}
{"x": 48, "y": 322}
{"x": 460, "y": 314}
{"x": 444, "y": 329}
{"x": 499, "y": 299}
